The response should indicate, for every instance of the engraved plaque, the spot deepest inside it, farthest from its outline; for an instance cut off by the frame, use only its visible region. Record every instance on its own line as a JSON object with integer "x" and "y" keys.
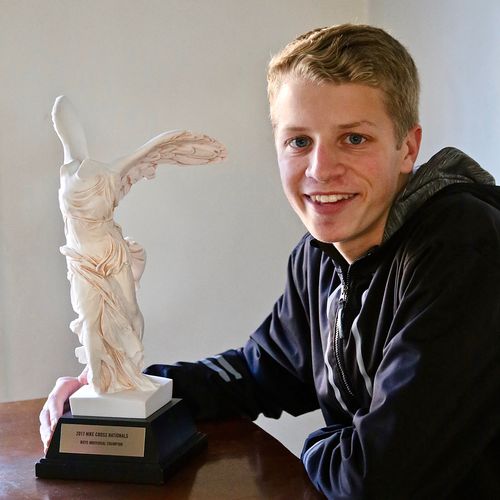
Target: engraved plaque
{"x": 102, "y": 440}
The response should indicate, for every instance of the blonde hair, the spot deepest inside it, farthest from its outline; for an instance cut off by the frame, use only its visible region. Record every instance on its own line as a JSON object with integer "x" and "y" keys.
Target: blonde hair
{"x": 353, "y": 54}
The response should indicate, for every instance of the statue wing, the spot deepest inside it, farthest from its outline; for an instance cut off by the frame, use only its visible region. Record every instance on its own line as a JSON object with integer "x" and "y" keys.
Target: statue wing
{"x": 179, "y": 147}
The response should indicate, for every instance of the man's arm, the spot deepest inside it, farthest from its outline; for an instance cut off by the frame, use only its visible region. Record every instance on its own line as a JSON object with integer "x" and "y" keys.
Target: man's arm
{"x": 243, "y": 382}
{"x": 215, "y": 387}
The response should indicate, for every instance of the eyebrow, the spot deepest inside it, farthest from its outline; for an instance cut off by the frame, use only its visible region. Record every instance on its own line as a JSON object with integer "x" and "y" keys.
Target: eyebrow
{"x": 291, "y": 129}
{"x": 343, "y": 126}
{"x": 357, "y": 124}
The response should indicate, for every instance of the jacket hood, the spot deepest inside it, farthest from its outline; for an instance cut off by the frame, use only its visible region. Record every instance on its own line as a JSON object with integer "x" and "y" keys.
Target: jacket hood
{"x": 449, "y": 166}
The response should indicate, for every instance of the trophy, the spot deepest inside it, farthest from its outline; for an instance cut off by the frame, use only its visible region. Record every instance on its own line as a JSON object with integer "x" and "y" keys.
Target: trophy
{"x": 123, "y": 425}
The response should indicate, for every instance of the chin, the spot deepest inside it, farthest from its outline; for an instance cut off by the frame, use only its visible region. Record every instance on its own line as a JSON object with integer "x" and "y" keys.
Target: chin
{"x": 326, "y": 231}
{"x": 322, "y": 235}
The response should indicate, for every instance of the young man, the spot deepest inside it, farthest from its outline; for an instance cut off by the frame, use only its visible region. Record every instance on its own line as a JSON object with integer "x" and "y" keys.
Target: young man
{"x": 390, "y": 319}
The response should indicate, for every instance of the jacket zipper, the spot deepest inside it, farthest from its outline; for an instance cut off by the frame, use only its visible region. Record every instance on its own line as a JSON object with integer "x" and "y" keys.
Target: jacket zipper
{"x": 338, "y": 340}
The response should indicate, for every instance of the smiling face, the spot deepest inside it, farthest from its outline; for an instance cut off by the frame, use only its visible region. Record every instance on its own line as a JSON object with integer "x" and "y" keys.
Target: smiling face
{"x": 339, "y": 162}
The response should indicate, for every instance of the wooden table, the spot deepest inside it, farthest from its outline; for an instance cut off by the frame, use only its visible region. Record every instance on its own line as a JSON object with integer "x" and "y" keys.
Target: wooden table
{"x": 241, "y": 461}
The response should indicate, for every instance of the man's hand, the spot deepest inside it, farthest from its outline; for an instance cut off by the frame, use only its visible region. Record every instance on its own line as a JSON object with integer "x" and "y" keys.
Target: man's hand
{"x": 56, "y": 404}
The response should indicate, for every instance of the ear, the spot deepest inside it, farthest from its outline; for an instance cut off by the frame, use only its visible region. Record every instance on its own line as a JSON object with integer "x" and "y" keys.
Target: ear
{"x": 410, "y": 148}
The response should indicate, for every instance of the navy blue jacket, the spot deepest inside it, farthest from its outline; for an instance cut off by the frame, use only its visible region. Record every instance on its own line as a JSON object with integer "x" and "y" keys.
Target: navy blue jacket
{"x": 400, "y": 350}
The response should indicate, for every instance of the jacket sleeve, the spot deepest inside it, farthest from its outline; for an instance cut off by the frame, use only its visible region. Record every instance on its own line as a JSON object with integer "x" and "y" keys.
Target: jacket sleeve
{"x": 216, "y": 387}
{"x": 435, "y": 410}
{"x": 270, "y": 374}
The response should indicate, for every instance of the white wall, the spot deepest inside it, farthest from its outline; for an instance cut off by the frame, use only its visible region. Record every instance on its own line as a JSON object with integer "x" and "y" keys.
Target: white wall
{"x": 217, "y": 237}
{"x": 456, "y": 45}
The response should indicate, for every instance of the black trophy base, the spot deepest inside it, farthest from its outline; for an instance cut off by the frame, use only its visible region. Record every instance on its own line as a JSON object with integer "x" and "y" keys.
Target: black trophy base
{"x": 122, "y": 450}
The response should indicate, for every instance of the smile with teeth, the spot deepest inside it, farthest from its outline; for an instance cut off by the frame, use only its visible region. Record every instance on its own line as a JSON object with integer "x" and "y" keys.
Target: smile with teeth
{"x": 330, "y": 198}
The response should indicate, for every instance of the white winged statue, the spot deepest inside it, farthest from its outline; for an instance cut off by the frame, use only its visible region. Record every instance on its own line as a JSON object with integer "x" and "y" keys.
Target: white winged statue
{"x": 103, "y": 267}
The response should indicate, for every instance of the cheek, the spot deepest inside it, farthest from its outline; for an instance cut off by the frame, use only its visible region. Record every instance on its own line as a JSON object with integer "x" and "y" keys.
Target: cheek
{"x": 380, "y": 174}
{"x": 290, "y": 178}
{"x": 291, "y": 169}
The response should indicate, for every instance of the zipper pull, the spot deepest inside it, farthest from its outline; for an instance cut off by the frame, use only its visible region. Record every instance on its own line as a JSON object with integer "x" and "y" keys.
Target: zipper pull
{"x": 343, "y": 295}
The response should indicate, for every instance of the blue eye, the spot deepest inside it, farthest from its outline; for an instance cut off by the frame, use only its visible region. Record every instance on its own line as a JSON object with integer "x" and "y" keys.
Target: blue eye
{"x": 355, "y": 139}
{"x": 300, "y": 142}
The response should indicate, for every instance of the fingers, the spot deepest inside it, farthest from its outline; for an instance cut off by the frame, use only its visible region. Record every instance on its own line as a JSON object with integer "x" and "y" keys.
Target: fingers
{"x": 54, "y": 406}
{"x": 45, "y": 428}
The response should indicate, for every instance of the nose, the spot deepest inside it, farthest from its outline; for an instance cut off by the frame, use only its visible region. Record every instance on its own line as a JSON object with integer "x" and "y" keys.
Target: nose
{"x": 325, "y": 163}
